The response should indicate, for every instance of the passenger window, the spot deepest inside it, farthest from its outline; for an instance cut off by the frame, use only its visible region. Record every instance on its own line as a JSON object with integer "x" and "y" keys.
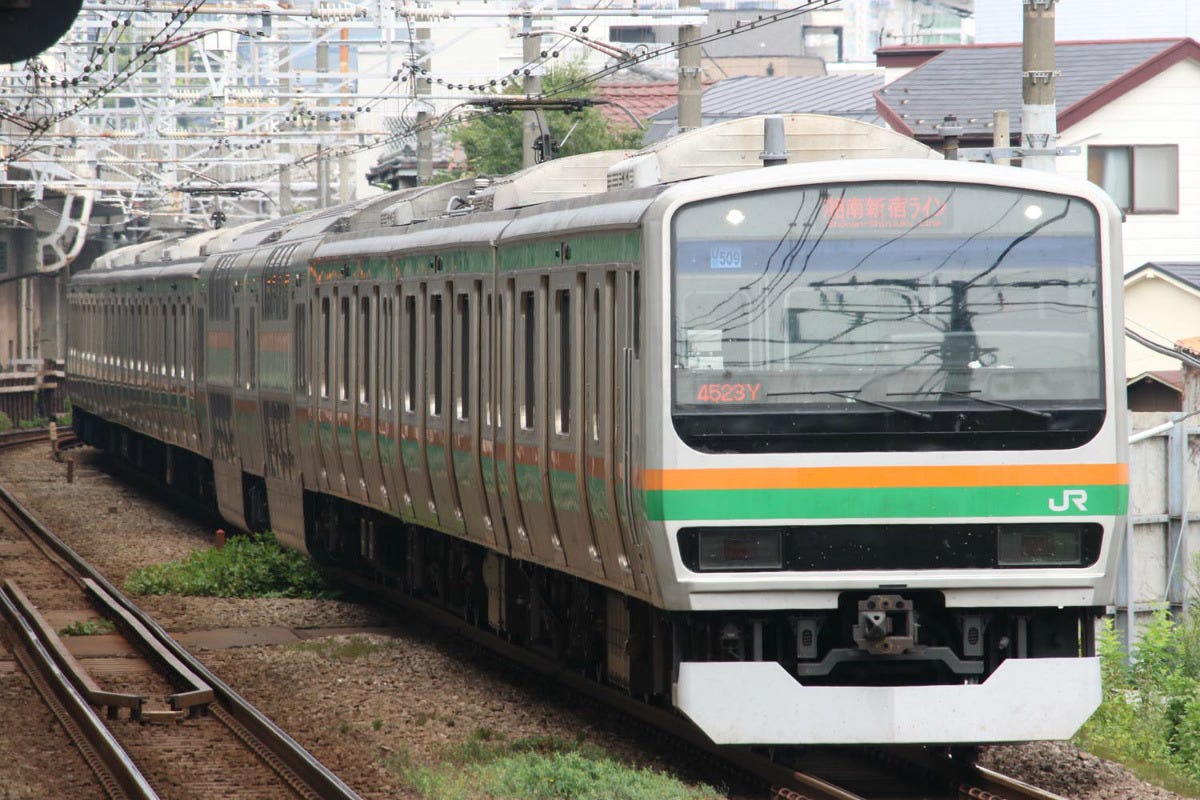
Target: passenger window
{"x": 365, "y": 351}
{"x": 562, "y": 310}
{"x": 327, "y": 346}
{"x": 300, "y": 349}
{"x": 464, "y": 360}
{"x": 410, "y": 314}
{"x": 435, "y": 322}
{"x": 595, "y": 393}
{"x": 528, "y": 348}
{"x": 344, "y": 372}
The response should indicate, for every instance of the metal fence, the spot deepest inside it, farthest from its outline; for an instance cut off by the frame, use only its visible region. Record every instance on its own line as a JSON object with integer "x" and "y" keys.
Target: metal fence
{"x": 1156, "y": 562}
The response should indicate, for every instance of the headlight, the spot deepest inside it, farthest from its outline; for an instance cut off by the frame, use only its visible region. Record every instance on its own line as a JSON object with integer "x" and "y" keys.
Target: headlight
{"x": 746, "y": 549}
{"x": 1018, "y": 546}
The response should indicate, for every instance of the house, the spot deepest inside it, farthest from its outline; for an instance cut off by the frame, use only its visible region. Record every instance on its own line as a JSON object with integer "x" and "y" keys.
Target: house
{"x": 1162, "y": 308}
{"x": 1131, "y": 107}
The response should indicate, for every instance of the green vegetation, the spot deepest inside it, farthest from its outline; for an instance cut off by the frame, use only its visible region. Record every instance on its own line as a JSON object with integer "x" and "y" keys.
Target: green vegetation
{"x": 538, "y": 768}
{"x": 492, "y": 142}
{"x": 341, "y": 647}
{"x": 247, "y": 566}
{"x": 5, "y": 422}
{"x": 88, "y": 627}
{"x": 1150, "y": 716}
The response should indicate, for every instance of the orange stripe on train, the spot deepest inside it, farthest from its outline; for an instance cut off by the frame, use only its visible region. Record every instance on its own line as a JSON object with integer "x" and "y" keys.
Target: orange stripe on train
{"x": 880, "y": 477}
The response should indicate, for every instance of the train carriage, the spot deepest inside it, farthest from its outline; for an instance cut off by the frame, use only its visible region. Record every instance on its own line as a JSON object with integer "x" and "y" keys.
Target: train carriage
{"x": 830, "y": 452}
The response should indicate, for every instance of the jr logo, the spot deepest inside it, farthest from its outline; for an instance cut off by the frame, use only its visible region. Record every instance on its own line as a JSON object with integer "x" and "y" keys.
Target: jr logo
{"x": 1077, "y": 497}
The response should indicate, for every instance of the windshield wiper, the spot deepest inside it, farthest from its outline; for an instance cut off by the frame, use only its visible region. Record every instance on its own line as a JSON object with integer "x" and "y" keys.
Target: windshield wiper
{"x": 1033, "y": 412}
{"x": 849, "y": 394}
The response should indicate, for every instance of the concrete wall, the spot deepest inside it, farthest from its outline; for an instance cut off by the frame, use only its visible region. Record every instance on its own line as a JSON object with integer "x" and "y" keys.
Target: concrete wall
{"x": 1159, "y": 564}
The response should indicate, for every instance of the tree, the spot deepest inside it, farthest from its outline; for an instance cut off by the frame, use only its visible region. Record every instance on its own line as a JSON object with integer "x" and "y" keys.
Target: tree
{"x": 492, "y": 142}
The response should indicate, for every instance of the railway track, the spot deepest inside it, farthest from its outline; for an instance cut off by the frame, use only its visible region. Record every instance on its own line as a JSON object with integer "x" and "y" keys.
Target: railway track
{"x": 172, "y": 725}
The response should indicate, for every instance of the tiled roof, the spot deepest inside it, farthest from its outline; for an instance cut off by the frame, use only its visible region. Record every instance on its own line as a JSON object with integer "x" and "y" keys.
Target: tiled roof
{"x": 841, "y": 95}
{"x": 1186, "y": 272}
{"x": 642, "y": 99}
{"x": 1172, "y": 378}
{"x": 971, "y": 82}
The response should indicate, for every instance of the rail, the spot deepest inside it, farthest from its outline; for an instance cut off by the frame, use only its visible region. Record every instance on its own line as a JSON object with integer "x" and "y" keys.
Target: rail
{"x": 113, "y": 766}
{"x": 308, "y": 775}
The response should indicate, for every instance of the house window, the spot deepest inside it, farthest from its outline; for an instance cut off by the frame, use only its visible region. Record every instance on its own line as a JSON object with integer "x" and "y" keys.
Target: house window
{"x": 823, "y": 41}
{"x": 1141, "y": 179}
{"x": 631, "y": 34}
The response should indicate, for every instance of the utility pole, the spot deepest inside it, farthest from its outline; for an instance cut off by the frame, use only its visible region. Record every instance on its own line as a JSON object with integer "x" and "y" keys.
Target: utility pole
{"x": 424, "y": 132}
{"x": 531, "y": 128}
{"x": 1039, "y": 126}
{"x": 1000, "y": 133}
{"x": 689, "y": 73}
{"x": 346, "y": 161}
{"x": 323, "y": 193}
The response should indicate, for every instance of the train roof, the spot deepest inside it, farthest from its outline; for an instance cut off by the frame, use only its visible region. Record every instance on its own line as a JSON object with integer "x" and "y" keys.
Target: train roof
{"x": 558, "y": 194}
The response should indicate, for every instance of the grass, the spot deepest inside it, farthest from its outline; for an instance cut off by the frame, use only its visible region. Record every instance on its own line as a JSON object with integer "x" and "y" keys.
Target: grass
{"x": 538, "y": 768}
{"x": 88, "y": 627}
{"x": 341, "y": 648}
{"x": 247, "y": 566}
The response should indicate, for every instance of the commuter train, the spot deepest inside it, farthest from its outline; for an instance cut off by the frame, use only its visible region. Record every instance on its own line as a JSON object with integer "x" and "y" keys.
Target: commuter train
{"x": 829, "y": 451}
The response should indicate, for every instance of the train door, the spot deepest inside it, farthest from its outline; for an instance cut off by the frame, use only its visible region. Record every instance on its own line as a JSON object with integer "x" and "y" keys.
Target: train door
{"x": 627, "y": 405}
{"x": 466, "y": 410}
{"x": 332, "y": 478}
{"x": 343, "y": 391}
{"x": 439, "y": 344}
{"x": 200, "y": 379}
{"x": 247, "y": 411}
{"x": 489, "y": 372}
{"x": 504, "y": 438}
{"x": 599, "y": 382}
{"x": 413, "y": 405}
{"x": 566, "y": 477}
{"x": 388, "y": 431}
{"x": 306, "y": 333}
{"x": 367, "y": 394}
{"x": 530, "y": 454}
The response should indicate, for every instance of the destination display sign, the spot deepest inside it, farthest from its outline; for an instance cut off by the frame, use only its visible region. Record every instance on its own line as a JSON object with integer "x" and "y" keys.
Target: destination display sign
{"x": 885, "y": 210}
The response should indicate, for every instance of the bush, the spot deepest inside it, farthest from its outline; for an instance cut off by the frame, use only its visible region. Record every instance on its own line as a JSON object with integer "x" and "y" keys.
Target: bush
{"x": 1149, "y": 718}
{"x": 5, "y": 422}
{"x": 247, "y": 566}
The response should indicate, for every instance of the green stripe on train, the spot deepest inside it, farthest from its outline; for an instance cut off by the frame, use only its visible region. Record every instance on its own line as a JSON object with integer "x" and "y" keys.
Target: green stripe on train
{"x": 897, "y": 503}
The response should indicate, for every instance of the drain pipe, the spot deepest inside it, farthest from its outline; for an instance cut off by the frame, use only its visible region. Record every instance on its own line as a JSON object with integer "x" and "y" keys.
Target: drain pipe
{"x": 775, "y": 152}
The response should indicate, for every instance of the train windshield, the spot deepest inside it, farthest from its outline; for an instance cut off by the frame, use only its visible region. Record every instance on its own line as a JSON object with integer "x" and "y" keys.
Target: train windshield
{"x": 888, "y": 315}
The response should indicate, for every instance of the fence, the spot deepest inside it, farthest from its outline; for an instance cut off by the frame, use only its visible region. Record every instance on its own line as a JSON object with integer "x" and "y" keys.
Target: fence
{"x": 1156, "y": 562}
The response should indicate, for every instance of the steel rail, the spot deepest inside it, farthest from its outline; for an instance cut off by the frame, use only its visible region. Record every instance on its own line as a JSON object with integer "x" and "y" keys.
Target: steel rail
{"x": 294, "y": 757}
{"x": 109, "y": 761}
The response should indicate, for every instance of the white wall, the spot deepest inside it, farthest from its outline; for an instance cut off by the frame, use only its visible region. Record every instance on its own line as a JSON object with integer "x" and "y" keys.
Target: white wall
{"x": 1162, "y": 311}
{"x": 1075, "y": 20}
{"x": 1164, "y": 110}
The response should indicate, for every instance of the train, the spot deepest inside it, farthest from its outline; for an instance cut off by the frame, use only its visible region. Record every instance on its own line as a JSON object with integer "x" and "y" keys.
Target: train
{"x": 788, "y": 424}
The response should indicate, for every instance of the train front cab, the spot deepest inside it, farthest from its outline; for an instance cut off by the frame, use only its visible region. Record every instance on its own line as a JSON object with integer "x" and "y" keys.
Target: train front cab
{"x": 886, "y": 474}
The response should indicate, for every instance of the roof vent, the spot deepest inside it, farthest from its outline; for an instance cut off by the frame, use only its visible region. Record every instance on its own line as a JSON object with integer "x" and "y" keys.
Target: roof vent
{"x": 562, "y": 178}
{"x": 740, "y": 143}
